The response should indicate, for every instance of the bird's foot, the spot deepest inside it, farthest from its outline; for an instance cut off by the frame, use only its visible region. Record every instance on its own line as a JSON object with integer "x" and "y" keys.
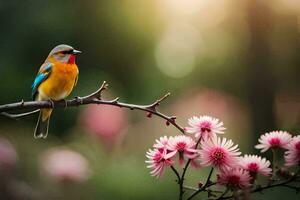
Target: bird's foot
{"x": 52, "y": 103}
{"x": 79, "y": 100}
{"x": 65, "y": 102}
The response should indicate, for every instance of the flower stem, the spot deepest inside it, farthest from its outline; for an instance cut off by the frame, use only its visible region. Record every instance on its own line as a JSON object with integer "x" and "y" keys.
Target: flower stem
{"x": 207, "y": 184}
{"x": 223, "y": 194}
{"x": 284, "y": 183}
{"x": 180, "y": 180}
{"x": 176, "y": 172}
{"x": 274, "y": 162}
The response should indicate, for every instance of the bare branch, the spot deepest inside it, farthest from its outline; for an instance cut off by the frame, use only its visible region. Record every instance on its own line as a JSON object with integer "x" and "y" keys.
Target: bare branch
{"x": 158, "y": 101}
{"x": 16, "y": 116}
{"x": 207, "y": 184}
{"x": 286, "y": 183}
{"x": 94, "y": 98}
{"x": 98, "y": 93}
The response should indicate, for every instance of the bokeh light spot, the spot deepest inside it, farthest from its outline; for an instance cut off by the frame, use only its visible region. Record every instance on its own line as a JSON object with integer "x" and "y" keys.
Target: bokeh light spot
{"x": 176, "y": 51}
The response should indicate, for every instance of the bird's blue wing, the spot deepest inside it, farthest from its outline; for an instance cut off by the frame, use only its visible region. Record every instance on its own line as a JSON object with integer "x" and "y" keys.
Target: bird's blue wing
{"x": 42, "y": 75}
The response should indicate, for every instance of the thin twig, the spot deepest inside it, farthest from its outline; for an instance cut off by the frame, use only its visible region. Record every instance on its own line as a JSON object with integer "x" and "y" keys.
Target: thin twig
{"x": 178, "y": 181}
{"x": 206, "y": 190}
{"x": 207, "y": 184}
{"x": 190, "y": 188}
{"x": 94, "y": 98}
{"x": 283, "y": 183}
{"x": 181, "y": 180}
{"x": 98, "y": 93}
{"x": 223, "y": 194}
{"x": 16, "y": 116}
{"x": 278, "y": 184}
{"x": 176, "y": 172}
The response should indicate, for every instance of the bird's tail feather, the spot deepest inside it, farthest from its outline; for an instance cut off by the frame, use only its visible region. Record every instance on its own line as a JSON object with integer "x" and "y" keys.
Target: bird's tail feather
{"x": 41, "y": 129}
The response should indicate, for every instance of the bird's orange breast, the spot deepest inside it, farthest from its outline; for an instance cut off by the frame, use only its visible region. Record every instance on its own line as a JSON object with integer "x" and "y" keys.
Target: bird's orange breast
{"x": 60, "y": 82}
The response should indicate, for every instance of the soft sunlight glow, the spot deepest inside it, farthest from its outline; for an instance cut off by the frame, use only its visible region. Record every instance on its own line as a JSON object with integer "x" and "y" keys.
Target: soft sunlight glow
{"x": 176, "y": 51}
{"x": 205, "y": 13}
{"x": 293, "y": 5}
{"x": 185, "y": 7}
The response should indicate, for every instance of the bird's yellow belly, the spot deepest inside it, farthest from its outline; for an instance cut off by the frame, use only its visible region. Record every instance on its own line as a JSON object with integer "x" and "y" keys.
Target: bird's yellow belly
{"x": 59, "y": 84}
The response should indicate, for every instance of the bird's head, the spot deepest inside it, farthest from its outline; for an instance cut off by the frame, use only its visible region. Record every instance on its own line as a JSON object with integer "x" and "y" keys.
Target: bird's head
{"x": 63, "y": 53}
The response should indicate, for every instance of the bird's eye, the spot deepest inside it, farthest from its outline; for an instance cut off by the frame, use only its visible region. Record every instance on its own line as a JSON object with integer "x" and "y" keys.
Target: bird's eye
{"x": 67, "y": 51}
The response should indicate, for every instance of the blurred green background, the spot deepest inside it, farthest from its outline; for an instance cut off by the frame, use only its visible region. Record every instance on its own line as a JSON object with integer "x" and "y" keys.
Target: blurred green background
{"x": 235, "y": 60}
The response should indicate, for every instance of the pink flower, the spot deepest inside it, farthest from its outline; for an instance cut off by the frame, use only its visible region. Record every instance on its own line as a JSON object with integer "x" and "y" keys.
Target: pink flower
{"x": 234, "y": 178}
{"x": 292, "y": 155}
{"x": 219, "y": 153}
{"x": 8, "y": 155}
{"x": 274, "y": 139}
{"x": 63, "y": 165}
{"x": 184, "y": 145}
{"x": 255, "y": 164}
{"x": 205, "y": 127}
{"x": 161, "y": 143}
{"x": 158, "y": 160}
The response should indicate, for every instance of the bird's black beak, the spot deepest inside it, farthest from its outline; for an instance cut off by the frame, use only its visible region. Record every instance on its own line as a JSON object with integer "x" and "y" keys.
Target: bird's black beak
{"x": 75, "y": 52}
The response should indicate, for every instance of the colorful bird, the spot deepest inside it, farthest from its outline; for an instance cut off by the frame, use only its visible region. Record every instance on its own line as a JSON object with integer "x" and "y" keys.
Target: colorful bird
{"x": 54, "y": 81}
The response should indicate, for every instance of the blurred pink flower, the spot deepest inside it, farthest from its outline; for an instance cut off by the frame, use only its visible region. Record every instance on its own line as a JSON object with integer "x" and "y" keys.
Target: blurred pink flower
{"x": 292, "y": 155}
{"x": 233, "y": 112}
{"x": 184, "y": 145}
{"x": 255, "y": 164}
{"x": 274, "y": 139}
{"x": 8, "y": 155}
{"x": 220, "y": 153}
{"x": 64, "y": 166}
{"x": 205, "y": 126}
{"x": 104, "y": 121}
{"x": 234, "y": 178}
{"x": 158, "y": 159}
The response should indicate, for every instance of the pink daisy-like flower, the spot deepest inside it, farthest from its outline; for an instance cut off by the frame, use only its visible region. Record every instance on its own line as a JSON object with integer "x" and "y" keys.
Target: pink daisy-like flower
{"x": 161, "y": 143}
{"x": 292, "y": 155}
{"x": 234, "y": 178}
{"x": 184, "y": 145}
{"x": 274, "y": 139}
{"x": 220, "y": 153}
{"x": 205, "y": 127}
{"x": 255, "y": 164}
{"x": 158, "y": 159}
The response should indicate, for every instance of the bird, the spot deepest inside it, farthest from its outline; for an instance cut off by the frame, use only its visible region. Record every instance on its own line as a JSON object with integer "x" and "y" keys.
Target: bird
{"x": 54, "y": 81}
